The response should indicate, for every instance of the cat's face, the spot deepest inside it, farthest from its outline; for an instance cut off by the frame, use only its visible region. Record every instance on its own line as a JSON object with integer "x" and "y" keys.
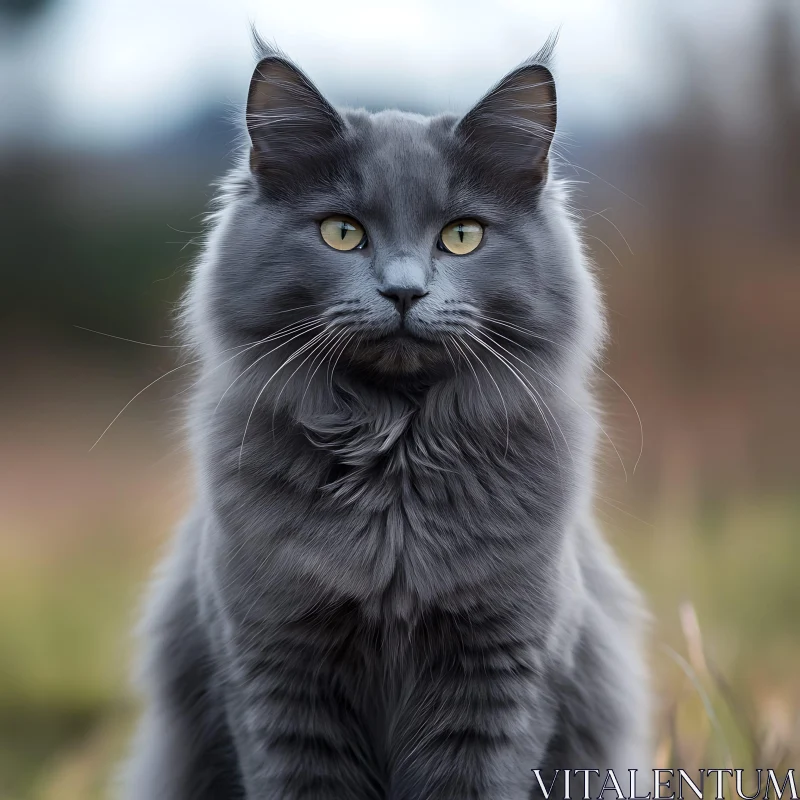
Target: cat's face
{"x": 394, "y": 238}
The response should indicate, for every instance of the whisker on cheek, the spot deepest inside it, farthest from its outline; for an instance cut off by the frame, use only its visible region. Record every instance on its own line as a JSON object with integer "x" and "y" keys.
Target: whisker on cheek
{"x": 300, "y": 350}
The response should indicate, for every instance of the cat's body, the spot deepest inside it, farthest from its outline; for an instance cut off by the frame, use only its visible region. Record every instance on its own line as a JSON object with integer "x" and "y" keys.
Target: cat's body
{"x": 391, "y": 587}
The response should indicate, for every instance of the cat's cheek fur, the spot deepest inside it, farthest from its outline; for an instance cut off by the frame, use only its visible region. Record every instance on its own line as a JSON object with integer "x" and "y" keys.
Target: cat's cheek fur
{"x": 391, "y": 586}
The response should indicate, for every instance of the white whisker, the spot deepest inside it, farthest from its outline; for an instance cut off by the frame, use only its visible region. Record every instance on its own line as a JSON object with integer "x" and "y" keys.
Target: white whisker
{"x": 153, "y": 383}
{"x": 326, "y": 337}
{"x": 596, "y": 366}
{"x": 332, "y": 369}
{"x": 324, "y": 353}
{"x": 571, "y": 399}
{"x": 602, "y": 215}
{"x": 132, "y": 341}
{"x": 534, "y": 395}
{"x": 608, "y": 247}
{"x": 307, "y": 327}
{"x": 500, "y": 394}
{"x": 294, "y": 355}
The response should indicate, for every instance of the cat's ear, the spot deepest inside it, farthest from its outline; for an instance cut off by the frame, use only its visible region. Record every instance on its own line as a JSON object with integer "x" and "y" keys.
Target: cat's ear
{"x": 287, "y": 117}
{"x": 511, "y": 129}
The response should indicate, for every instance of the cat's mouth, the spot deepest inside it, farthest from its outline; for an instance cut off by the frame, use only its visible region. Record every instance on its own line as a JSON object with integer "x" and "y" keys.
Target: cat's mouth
{"x": 399, "y": 352}
{"x": 404, "y": 333}
{"x": 412, "y": 329}
{"x": 402, "y": 340}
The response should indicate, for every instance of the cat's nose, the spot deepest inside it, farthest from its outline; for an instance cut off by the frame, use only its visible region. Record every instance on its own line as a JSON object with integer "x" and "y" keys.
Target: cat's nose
{"x": 403, "y": 280}
{"x": 403, "y": 297}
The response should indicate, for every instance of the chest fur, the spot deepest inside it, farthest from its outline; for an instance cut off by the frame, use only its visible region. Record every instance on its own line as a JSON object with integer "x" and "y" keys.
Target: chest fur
{"x": 391, "y": 510}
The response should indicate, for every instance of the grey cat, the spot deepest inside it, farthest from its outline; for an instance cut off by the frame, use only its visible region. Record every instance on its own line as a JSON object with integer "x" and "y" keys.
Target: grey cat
{"x": 391, "y": 586}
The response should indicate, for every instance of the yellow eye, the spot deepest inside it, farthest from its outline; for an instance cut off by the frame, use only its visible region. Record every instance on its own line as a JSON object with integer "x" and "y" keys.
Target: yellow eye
{"x": 342, "y": 233}
{"x": 462, "y": 236}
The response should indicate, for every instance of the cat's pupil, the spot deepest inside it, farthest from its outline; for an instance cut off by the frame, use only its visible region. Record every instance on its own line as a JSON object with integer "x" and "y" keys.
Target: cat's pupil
{"x": 461, "y": 233}
{"x": 343, "y": 230}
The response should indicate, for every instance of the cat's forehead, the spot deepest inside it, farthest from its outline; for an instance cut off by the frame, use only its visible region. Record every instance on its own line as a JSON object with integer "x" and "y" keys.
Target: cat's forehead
{"x": 402, "y": 161}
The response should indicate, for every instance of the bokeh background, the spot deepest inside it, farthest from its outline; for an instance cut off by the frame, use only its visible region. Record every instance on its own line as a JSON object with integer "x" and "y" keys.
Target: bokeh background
{"x": 680, "y": 129}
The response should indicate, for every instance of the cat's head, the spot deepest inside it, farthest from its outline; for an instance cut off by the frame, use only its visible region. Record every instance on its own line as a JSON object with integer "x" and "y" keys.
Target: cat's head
{"x": 392, "y": 244}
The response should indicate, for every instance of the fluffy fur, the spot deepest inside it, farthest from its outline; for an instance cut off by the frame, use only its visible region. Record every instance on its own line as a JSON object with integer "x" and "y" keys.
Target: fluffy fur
{"x": 390, "y": 587}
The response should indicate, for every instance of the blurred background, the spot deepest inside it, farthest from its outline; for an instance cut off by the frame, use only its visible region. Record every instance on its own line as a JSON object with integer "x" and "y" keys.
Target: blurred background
{"x": 680, "y": 128}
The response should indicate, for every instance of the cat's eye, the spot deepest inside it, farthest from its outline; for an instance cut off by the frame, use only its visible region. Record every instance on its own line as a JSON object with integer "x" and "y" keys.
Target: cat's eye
{"x": 461, "y": 237}
{"x": 342, "y": 233}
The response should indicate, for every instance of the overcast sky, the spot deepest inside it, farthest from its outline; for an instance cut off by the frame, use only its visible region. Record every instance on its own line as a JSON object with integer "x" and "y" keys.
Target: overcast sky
{"x": 119, "y": 70}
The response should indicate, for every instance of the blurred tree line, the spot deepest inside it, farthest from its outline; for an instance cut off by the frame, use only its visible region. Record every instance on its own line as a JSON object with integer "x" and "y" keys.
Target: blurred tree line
{"x": 704, "y": 311}
{"x": 707, "y": 311}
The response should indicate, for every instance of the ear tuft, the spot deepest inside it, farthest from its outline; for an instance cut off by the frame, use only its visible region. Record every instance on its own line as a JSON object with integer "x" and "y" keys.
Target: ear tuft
{"x": 544, "y": 56}
{"x": 263, "y": 49}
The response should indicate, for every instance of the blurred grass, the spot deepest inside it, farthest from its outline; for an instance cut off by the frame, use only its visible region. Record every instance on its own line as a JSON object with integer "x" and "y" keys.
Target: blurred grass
{"x": 721, "y": 583}
{"x": 722, "y": 586}
{"x": 65, "y": 632}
